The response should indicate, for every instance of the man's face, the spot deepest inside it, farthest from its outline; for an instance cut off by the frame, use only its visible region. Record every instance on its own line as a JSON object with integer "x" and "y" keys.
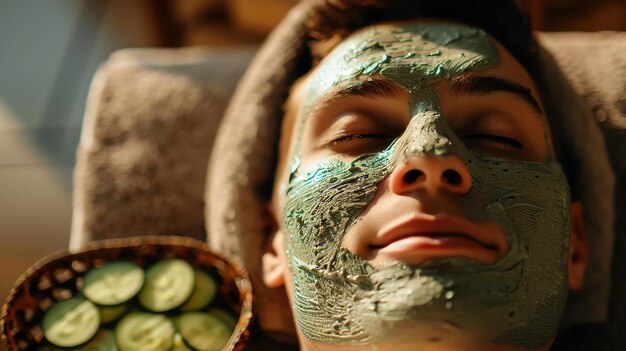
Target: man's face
{"x": 422, "y": 205}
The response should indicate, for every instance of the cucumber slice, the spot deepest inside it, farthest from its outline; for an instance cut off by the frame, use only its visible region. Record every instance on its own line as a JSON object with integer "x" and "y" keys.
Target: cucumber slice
{"x": 103, "y": 341}
{"x": 225, "y": 317}
{"x": 169, "y": 283}
{"x": 204, "y": 291}
{"x": 114, "y": 283}
{"x": 71, "y": 322}
{"x": 179, "y": 344}
{"x": 143, "y": 331}
{"x": 203, "y": 331}
{"x": 109, "y": 314}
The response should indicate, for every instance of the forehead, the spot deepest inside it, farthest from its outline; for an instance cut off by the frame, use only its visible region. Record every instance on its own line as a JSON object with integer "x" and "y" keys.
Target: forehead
{"x": 411, "y": 54}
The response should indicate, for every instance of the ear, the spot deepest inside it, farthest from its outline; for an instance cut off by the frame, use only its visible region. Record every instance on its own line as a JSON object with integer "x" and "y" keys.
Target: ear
{"x": 273, "y": 260}
{"x": 578, "y": 247}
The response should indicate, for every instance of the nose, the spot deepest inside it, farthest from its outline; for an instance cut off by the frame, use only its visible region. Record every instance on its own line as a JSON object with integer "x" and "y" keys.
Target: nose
{"x": 431, "y": 173}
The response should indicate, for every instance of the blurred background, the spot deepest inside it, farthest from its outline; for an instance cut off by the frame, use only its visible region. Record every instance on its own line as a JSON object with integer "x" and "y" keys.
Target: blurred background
{"x": 49, "y": 51}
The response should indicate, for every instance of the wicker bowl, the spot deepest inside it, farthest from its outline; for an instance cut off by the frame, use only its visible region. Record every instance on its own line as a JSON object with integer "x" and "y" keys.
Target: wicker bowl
{"x": 60, "y": 276}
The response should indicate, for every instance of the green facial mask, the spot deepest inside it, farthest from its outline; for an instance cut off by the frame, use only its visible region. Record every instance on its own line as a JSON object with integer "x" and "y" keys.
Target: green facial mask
{"x": 339, "y": 298}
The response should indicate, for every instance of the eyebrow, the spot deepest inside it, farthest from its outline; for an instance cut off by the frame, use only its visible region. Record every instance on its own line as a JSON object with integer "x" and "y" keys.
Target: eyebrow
{"x": 479, "y": 85}
{"x": 376, "y": 88}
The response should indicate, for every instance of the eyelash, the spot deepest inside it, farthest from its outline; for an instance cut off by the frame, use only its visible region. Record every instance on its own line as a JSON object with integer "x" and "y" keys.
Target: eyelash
{"x": 497, "y": 139}
{"x": 489, "y": 137}
{"x": 347, "y": 138}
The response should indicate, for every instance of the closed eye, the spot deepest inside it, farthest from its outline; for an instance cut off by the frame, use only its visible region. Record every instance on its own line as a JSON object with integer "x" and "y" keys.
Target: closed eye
{"x": 351, "y": 137}
{"x": 496, "y": 139}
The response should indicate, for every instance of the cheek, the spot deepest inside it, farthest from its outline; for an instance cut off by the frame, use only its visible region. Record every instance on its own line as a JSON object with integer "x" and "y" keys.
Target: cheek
{"x": 322, "y": 203}
{"x": 365, "y": 228}
{"x": 530, "y": 203}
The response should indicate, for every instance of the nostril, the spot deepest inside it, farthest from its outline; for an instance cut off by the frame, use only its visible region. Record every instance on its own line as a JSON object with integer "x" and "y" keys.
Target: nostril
{"x": 452, "y": 177}
{"x": 412, "y": 176}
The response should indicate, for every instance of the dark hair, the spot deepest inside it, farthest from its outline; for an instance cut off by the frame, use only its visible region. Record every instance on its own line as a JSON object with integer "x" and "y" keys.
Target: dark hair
{"x": 333, "y": 20}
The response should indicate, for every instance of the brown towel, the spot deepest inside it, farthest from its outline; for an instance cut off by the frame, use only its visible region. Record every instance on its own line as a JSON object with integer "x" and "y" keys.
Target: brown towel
{"x": 594, "y": 68}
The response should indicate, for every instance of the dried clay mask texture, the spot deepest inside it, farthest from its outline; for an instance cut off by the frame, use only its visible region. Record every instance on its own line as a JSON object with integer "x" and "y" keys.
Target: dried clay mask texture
{"x": 341, "y": 299}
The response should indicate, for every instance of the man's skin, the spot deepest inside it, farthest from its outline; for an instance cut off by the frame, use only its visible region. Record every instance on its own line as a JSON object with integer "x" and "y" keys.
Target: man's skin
{"x": 426, "y": 196}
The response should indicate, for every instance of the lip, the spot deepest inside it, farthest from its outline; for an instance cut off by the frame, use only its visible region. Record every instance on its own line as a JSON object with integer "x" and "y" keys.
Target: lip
{"x": 428, "y": 236}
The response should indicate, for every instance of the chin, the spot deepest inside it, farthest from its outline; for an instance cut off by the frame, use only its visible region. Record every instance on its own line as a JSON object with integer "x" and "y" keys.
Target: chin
{"x": 444, "y": 307}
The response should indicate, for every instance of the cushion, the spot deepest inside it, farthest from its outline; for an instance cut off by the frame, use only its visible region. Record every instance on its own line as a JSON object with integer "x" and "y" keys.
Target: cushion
{"x": 148, "y": 129}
